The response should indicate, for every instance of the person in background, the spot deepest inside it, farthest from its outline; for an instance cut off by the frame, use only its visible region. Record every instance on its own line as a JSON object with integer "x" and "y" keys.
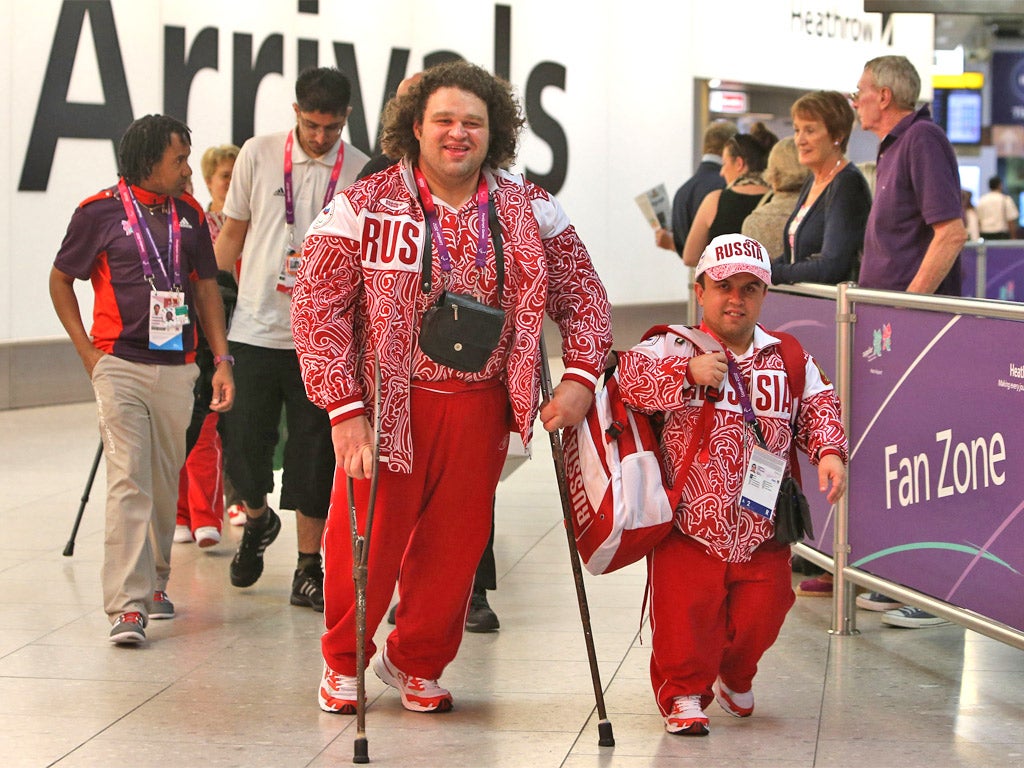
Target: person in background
{"x": 997, "y": 213}
{"x": 145, "y": 246}
{"x": 744, "y": 159}
{"x": 825, "y": 231}
{"x": 451, "y": 215}
{"x": 970, "y": 215}
{"x": 719, "y": 583}
{"x": 915, "y": 230}
{"x": 279, "y": 184}
{"x": 201, "y": 486}
{"x": 786, "y": 176}
{"x": 691, "y": 194}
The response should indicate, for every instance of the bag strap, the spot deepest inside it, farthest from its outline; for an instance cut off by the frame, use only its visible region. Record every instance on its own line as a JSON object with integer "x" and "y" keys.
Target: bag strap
{"x": 499, "y": 254}
{"x": 703, "y": 342}
{"x": 796, "y": 373}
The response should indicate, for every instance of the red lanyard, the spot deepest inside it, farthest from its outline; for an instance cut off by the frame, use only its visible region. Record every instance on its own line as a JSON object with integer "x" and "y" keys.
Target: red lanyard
{"x": 289, "y": 197}
{"x": 141, "y": 232}
{"x": 430, "y": 211}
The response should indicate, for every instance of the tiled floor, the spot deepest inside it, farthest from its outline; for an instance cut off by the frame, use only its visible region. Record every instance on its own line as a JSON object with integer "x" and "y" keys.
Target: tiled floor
{"x": 231, "y": 681}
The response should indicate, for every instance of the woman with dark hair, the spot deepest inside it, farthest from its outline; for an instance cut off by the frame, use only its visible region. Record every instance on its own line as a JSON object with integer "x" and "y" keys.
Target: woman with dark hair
{"x": 722, "y": 212}
{"x": 825, "y": 234}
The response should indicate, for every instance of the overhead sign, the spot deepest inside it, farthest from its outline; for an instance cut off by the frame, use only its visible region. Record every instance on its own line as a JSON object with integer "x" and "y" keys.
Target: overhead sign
{"x": 728, "y": 102}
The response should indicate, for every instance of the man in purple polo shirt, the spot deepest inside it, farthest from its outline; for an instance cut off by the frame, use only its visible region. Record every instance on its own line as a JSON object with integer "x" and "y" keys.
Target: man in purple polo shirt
{"x": 915, "y": 231}
{"x": 145, "y": 246}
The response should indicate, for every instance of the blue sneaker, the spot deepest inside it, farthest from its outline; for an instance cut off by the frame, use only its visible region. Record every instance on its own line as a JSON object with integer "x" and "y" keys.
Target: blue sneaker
{"x": 876, "y": 601}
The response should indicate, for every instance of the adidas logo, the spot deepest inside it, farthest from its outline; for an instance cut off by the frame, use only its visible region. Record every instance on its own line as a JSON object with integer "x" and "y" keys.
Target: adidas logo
{"x": 279, "y": 192}
{"x": 185, "y": 224}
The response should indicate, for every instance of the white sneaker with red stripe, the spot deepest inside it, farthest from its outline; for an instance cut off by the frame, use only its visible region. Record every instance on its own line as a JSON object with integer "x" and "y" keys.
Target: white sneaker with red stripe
{"x": 418, "y": 693}
{"x": 236, "y": 514}
{"x": 686, "y": 717}
{"x": 337, "y": 692}
{"x": 736, "y": 704}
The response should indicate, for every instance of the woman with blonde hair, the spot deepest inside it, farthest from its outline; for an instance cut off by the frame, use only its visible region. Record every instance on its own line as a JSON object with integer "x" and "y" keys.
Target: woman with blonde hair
{"x": 786, "y": 177}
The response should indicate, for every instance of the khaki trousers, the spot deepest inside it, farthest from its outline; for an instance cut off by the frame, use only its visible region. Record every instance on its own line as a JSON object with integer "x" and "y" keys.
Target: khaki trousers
{"x": 144, "y": 411}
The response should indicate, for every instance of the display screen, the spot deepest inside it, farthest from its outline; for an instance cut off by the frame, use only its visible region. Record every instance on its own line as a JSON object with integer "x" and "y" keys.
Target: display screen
{"x": 959, "y": 114}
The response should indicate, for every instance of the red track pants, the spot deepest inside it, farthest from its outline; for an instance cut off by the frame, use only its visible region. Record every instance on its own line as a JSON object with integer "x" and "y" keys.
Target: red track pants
{"x": 429, "y": 529}
{"x": 710, "y": 618}
{"x": 200, "y": 482}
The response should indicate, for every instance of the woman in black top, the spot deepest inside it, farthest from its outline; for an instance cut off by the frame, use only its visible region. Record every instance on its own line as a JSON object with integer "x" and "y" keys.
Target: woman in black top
{"x": 722, "y": 212}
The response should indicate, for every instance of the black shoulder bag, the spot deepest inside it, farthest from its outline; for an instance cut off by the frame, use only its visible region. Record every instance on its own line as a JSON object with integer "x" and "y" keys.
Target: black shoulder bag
{"x": 459, "y": 331}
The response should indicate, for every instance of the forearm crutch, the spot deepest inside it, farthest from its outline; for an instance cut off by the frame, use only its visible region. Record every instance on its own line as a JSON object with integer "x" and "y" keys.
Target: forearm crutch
{"x": 69, "y": 548}
{"x": 360, "y": 554}
{"x": 605, "y": 737}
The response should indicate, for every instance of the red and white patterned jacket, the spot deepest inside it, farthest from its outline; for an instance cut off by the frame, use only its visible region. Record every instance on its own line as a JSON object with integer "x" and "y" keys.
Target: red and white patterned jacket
{"x": 652, "y": 377}
{"x": 358, "y": 293}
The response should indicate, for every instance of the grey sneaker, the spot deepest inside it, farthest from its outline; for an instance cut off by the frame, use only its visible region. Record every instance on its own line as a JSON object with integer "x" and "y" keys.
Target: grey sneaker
{"x": 247, "y": 564}
{"x": 912, "y": 618}
{"x": 162, "y": 608}
{"x": 129, "y": 629}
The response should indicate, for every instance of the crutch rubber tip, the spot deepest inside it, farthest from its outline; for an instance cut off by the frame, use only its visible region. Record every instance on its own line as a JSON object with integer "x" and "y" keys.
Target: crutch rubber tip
{"x": 605, "y": 738}
{"x": 362, "y": 755}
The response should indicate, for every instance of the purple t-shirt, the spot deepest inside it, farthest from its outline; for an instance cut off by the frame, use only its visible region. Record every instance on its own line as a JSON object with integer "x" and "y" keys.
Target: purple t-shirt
{"x": 99, "y": 247}
{"x": 917, "y": 185}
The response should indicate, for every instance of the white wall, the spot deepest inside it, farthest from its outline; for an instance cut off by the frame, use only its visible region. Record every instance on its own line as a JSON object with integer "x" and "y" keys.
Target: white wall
{"x": 626, "y": 108}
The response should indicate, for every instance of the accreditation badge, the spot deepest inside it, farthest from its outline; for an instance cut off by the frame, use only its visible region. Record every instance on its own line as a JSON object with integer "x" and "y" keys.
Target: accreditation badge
{"x": 761, "y": 482}
{"x": 168, "y": 315}
{"x": 289, "y": 269}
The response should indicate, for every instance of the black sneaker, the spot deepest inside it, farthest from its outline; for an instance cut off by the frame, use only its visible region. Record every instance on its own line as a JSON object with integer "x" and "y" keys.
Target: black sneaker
{"x": 480, "y": 617}
{"x": 247, "y": 564}
{"x": 308, "y": 590}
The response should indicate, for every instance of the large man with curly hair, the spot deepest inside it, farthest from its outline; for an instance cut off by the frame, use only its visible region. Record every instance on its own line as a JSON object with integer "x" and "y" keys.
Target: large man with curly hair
{"x": 448, "y": 218}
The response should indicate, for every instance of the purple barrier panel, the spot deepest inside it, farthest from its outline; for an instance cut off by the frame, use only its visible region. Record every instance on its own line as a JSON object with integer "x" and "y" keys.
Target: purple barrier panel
{"x": 937, "y": 469}
{"x": 969, "y": 271}
{"x": 813, "y": 321}
{"x": 1004, "y": 273}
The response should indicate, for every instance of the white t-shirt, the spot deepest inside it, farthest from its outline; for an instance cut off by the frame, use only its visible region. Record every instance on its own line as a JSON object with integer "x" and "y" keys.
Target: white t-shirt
{"x": 995, "y": 210}
{"x": 256, "y": 195}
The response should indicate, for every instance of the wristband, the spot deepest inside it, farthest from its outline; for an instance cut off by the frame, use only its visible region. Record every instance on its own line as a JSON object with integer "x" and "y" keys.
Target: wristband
{"x": 217, "y": 360}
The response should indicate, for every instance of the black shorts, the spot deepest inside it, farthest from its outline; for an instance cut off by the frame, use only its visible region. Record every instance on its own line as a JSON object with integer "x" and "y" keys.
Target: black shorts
{"x": 267, "y": 380}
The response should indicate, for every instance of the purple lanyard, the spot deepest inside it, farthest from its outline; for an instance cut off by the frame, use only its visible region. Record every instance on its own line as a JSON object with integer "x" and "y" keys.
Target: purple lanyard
{"x": 289, "y": 196}
{"x": 741, "y": 391}
{"x": 142, "y": 234}
{"x": 430, "y": 211}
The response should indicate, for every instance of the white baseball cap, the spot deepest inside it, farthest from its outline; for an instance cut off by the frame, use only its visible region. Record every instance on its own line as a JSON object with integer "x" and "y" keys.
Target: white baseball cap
{"x": 728, "y": 255}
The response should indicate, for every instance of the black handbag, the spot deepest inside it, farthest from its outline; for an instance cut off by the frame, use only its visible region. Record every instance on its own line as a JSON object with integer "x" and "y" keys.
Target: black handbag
{"x": 792, "y": 513}
{"x": 458, "y": 331}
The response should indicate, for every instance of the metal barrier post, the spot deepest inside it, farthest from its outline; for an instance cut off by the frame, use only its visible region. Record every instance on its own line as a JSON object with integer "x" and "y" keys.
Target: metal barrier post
{"x": 843, "y": 607}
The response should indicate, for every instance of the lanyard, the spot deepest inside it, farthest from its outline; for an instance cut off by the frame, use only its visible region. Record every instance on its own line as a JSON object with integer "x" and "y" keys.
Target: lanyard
{"x": 142, "y": 234}
{"x": 430, "y": 211}
{"x": 289, "y": 195}
{"x": 741, "y": 390}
